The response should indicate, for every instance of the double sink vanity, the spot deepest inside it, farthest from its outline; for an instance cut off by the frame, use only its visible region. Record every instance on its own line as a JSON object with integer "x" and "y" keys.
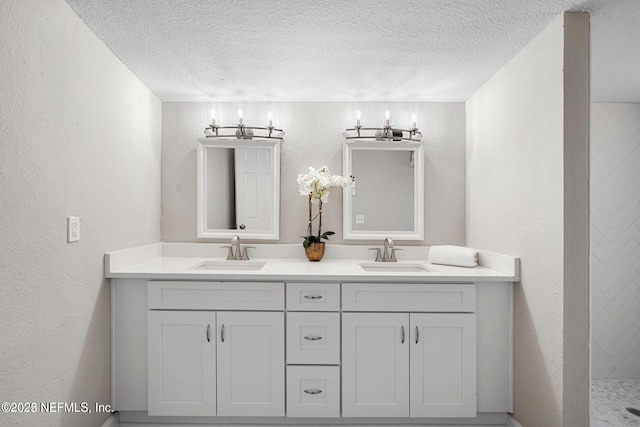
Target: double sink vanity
{"x": 197, "y": 338}
{"x": 213, "y": 334}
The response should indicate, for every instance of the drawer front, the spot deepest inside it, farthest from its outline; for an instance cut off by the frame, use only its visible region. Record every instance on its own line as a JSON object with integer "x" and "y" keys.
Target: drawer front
{"x": 313, "y": 338}
{"x": 408, "y": 297}
{"x": 186, "y": 295}
{"x": 313, "y": 391}
{"x": 313, "y": 296}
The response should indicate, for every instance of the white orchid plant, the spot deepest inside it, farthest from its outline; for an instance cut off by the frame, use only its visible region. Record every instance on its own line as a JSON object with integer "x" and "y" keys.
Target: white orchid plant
{"x": 315, "y": 185}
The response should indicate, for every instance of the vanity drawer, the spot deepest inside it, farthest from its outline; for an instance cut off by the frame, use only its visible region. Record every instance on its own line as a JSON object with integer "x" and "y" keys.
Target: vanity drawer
{"x": 313, "y": 391}
{"x": 313, "y": 296}
{"x": 313, "y": 338}
{"x": 418, "y": 297}
{"x": 185, "y": 295}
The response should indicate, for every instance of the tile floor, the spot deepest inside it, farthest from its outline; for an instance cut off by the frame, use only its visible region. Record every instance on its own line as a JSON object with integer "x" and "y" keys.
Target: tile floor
{"x": 609, "y": 400}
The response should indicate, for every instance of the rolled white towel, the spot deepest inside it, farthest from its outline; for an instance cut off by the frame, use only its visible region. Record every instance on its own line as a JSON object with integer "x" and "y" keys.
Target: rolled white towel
{"x": 453, "y": 255}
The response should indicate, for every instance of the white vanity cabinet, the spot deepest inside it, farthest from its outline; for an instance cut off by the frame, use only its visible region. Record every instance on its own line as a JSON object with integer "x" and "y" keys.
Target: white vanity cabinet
{"x": 203, "y": 361}
{"x": 224, "y": 352}
{"x": 401, "y": 363}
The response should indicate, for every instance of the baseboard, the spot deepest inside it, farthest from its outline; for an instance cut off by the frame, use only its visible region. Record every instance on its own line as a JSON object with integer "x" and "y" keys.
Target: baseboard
{"x": 112, "y": 421}
{"x": 140, "y": 419}
{"x": 511, "y": 422}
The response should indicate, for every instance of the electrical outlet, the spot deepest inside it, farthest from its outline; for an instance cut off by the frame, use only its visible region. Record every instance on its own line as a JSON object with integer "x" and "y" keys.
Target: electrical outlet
{"x": 73, "y": 228}
{"x": 359, "y": 219}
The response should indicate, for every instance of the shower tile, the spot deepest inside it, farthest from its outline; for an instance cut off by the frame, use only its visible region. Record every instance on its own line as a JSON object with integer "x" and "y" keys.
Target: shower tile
{"x": 610, "y": 400}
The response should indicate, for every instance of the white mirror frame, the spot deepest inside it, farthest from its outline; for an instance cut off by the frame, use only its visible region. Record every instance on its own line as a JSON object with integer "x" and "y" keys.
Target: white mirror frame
{"x": 417, "y": 233}
{"x": 203, "y": 232}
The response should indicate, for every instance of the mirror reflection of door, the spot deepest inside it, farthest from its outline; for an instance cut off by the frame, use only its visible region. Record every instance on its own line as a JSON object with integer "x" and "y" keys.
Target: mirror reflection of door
{"x": 239, "y": 188}
{"x": 253, "y": 188}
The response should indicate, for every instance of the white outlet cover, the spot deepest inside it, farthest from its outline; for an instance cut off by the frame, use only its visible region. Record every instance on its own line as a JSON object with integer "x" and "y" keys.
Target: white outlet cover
{"x": 73, "y": 228}
{"x": 359, "y": 219}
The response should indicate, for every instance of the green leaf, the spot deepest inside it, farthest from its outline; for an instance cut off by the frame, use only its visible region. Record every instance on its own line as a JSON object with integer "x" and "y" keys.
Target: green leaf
{"x": 326, "y": 234}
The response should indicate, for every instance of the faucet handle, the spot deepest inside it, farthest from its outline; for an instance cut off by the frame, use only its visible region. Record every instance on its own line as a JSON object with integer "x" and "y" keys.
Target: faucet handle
{"x": 378, "y": 254}
{"x": 245, "y": 252}
{"x": 392, "y": 257}
{"x": 230, "y": 255}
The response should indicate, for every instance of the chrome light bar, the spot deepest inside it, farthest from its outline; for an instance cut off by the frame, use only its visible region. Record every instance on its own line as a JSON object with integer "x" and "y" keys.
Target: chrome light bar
{"x": 386, "y": 133}
{"x": 242, "y": 131}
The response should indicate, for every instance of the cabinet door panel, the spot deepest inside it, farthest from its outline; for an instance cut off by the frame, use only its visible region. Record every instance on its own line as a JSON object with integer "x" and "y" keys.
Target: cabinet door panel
{"x": 250, "y": 364}
{"x": 375, "y": 361}
{"x": 443, "y": 365}
{"x": 181, "y": 369}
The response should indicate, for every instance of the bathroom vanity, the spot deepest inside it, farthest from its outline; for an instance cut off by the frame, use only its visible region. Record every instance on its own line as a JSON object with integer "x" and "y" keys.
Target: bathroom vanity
{"x": 198, "y": 339}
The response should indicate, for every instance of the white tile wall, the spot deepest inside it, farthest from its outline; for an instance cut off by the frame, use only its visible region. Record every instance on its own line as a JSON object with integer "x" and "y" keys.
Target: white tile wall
{"x": 615, "y": 240}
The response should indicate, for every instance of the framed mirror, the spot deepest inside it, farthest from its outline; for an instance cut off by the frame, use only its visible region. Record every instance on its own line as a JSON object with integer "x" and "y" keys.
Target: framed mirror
{"x": 238, "y": 188}
{"x": 387, "y": 199}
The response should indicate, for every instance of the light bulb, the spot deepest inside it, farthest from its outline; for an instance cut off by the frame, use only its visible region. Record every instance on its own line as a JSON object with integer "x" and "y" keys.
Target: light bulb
{"x": 413, "y": 121}
{"x": 387, "y": 118}
{"x": 212, "y": 114}
{"x": 239, "y": 116}
{"x": 270, "y": 116}
{"x": 358, "y": 118}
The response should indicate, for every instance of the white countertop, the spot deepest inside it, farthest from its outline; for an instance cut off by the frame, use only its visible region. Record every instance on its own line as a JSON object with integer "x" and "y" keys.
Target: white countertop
{"x": 152, "y": 262}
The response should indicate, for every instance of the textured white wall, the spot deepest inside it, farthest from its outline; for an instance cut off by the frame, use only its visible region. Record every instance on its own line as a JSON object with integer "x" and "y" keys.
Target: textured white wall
{"x": 80, "y": 135}
{"x": 516, "y": 205}
{"x": 314, "y": 138}
{"x": 615, "y": 240}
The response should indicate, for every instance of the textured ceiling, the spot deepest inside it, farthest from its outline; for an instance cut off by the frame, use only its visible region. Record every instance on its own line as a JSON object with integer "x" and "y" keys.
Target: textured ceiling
{"x": 321, "y": 50}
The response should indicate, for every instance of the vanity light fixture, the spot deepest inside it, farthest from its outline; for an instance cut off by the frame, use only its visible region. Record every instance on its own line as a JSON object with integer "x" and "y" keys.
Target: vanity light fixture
{"x": 385, "y": 133}
{"x": 241, "y": 130}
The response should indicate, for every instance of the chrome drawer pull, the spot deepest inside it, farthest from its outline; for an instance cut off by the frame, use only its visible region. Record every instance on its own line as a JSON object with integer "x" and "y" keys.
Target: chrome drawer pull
{"x": 222, "y": 333}
{"x": 313, "y": 391}
{"x": 417, "y": 335}
{"x": 208, "y": 333}
{"x": 402, "y": 331}
{"x": 313, "y": 296}
{"x": 313, "y": 337}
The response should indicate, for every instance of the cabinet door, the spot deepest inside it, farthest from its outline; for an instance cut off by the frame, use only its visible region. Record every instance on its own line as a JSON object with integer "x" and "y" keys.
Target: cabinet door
{"x": 181, "y": 363}
{"x": 443, "y": 365}
{"x": 375, "y": 365}
{"x": 250, "y": 364}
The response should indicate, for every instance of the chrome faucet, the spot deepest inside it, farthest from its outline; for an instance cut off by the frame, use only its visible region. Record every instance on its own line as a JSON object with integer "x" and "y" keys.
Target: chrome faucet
{"x": 236, "y": 250}
{"x": 235, "y": 247}
{"x": 388, "y": 253}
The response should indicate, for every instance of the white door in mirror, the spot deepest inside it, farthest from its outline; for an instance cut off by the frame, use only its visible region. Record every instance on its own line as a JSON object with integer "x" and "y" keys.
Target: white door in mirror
{"x": 254, "y": 188}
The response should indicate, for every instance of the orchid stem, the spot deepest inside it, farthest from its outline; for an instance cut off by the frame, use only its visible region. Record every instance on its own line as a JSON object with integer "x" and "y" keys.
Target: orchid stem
{"x": 320, "y": 220}
{"x": 310, "y": 227}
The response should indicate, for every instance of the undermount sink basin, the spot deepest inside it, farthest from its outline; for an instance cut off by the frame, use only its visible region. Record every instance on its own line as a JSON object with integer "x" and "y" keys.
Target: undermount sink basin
{"x": 229, "y": 265}
{"x": 397, "y": 267}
